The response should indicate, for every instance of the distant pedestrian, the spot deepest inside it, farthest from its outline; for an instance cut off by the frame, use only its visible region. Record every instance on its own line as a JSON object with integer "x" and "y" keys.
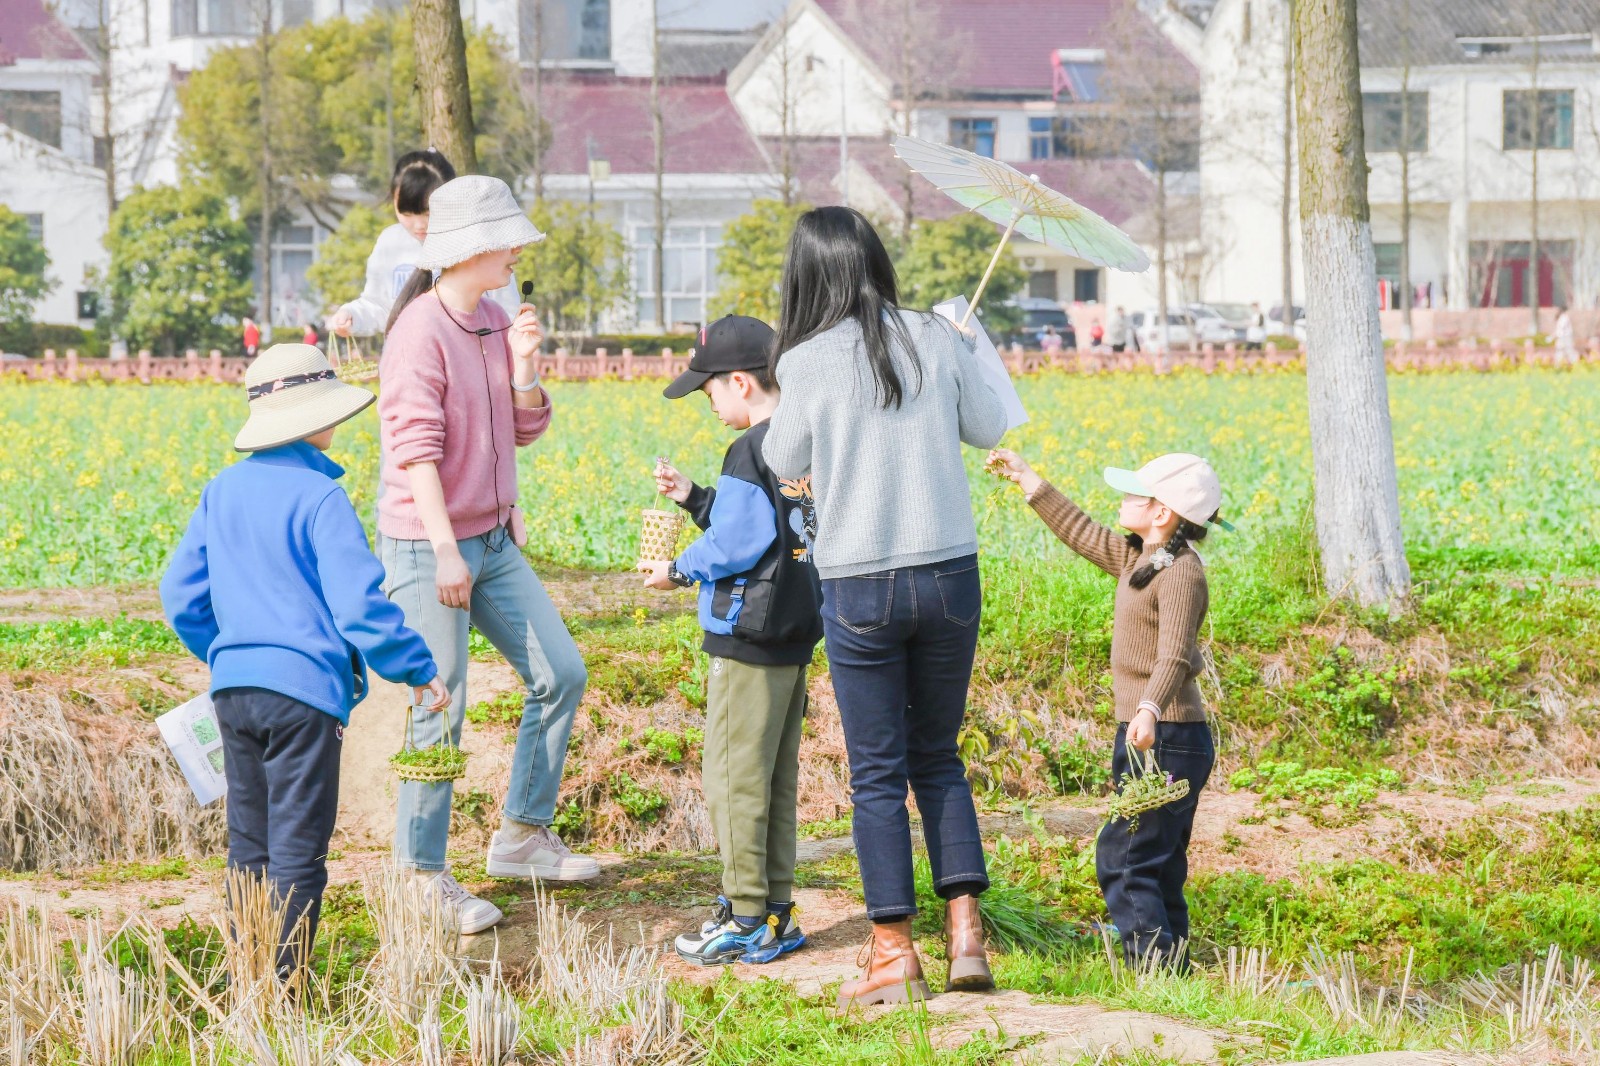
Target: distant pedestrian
{"x": 1566, "y": 349}
{"x": 311, "y": 337}
{"x": 252, "y": 338}
{"x": 1117, "y": 331}
{"x": 1051, "y": 341}
{"x": 1256, "y": 332}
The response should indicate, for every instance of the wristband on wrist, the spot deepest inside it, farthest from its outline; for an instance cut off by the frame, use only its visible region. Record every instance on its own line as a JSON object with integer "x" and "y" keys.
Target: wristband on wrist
{"x": 678, "y": 577}
{"x": 1155, "y": 711}
{"x": 534, "y": 384}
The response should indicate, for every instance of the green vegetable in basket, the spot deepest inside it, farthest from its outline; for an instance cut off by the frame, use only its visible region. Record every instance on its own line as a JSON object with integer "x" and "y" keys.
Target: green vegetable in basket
{"x": 1144, "y": 791}
{"x": 446, "y": 759}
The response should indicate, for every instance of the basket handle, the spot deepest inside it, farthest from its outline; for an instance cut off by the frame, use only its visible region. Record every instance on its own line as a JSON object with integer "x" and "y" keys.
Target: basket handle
{"x": 445, "y": 739}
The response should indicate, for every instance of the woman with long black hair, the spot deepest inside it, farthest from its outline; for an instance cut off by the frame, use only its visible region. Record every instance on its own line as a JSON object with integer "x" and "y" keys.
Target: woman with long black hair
{"x": 876, "y": 402}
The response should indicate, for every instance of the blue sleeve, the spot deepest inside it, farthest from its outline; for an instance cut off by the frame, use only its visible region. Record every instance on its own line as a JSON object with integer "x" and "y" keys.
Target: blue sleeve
{"x": 186, "y": 589}
{"x": 352, "y": 580}
{"x": 743, "y": 526}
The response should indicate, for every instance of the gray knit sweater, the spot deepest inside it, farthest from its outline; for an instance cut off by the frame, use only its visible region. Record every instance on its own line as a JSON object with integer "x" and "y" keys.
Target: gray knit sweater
{"x": 890, "y": 484}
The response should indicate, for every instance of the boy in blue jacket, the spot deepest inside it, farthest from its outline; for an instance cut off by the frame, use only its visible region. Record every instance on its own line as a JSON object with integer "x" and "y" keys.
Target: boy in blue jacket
{"x": 275, "y": 587}
{"x": 760, "y": 607}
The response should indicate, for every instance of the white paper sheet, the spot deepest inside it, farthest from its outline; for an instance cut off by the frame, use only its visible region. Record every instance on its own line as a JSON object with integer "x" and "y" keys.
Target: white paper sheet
{"x": 191, "y": 731}
{"x": 989, "y": 361}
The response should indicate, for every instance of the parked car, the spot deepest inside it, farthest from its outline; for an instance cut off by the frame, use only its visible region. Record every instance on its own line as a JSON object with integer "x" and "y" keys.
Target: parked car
{"x": 1037, "y": 313}
{"x": 1180, "y": 333}
{"x": 1220, "y": 323}
{"x": 1276, "y": 328}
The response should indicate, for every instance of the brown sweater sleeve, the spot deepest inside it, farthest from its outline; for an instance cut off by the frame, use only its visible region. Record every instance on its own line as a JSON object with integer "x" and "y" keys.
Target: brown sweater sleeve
{"x": 1181, "y": 601}
{"x": 1078, "y": 531}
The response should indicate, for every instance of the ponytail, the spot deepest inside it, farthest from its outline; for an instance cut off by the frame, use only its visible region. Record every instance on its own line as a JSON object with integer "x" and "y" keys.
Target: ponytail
{"x": 419, "y": 282}
{"x": 1187, "y": 532}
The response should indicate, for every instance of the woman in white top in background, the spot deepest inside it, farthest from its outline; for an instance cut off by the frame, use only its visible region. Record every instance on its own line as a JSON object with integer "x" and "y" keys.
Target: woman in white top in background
{"x": 394, "y": 256}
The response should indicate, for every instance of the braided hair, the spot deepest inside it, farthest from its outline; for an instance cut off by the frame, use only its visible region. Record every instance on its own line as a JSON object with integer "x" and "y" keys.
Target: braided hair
{"x": 1187, "y": 533}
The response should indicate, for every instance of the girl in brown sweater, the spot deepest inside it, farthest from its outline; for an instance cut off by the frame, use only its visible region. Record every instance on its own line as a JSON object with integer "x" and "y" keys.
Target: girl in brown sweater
{"x": 1167, "y": 505}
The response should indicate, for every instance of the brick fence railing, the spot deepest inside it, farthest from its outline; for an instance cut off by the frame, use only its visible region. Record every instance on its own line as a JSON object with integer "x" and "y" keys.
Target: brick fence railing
{"x": 560, "y": 366}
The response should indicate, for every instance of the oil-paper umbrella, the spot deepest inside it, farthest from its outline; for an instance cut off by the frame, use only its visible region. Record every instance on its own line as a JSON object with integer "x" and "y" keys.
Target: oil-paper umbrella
{"x": 1021, "y": 204}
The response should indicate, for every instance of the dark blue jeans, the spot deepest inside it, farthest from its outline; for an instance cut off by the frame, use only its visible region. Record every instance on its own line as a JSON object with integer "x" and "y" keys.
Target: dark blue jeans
{"x": 900, "y": 649}
{"x": 281, "y": 758}
{"x": 1142, "y": 872}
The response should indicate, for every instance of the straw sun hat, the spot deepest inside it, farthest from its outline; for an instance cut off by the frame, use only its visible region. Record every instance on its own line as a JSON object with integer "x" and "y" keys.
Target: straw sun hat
{"x": 294, "y": 394}
{"x": 471, "y": 215}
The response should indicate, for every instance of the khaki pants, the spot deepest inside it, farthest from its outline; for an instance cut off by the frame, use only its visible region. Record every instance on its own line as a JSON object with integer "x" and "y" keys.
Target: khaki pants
{"x": 750, "y": 772}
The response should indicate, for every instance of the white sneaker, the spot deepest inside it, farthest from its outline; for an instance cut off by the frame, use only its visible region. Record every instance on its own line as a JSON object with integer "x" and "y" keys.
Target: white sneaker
{"x": 540, "y": 855}
{"x": 471, "y": 914}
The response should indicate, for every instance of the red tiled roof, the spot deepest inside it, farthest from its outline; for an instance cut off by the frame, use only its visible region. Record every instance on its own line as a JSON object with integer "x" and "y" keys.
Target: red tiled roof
{"x": 996, "y": 47}
{"x": 29, "y": 31}
{"x": 704, "y": 133}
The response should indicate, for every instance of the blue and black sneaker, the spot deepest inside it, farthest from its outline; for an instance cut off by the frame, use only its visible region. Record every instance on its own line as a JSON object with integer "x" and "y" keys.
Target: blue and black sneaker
{"x": 724, "y": 938}
{"x": 786, "y": 933}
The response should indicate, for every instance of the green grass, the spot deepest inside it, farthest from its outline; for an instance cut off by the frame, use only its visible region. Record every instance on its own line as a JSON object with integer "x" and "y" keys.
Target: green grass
{"x": 64, "y": 645}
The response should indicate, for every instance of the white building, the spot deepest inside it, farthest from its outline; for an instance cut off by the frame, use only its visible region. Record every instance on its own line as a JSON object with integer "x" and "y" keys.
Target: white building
{"x": 1453, "y": 88}
{"x": 47, "y": 155}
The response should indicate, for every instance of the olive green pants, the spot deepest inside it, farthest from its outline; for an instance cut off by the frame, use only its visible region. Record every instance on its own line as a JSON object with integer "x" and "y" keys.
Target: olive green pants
{"x": 750, "y": 772}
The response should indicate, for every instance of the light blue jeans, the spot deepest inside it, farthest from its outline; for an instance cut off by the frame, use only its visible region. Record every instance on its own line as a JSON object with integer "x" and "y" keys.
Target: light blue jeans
{"x": 510, "y": 608}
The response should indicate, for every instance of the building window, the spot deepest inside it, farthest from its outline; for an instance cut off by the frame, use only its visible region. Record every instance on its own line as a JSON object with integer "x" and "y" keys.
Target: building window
{"x": 1086, "y": 286}
{"x": 293, "y": 252}
{"x": 564, "y": 30}
{"x": 33, "y": 113}
{"x": 88, "y": 304}
{"x": 973, "y": 134}
{"x": 689, "y": 272}
{"x": 1068, "y": 137}
{"x": 1395, "y": 122}
{"x": 1388, "y": 263}
{"x": 212, "y": 18}
{"x": 1500, "y": 272}
{"x": 1042, "y": 284}
{"x": 35, "y": 226}
{"x": 1537, "y": 119}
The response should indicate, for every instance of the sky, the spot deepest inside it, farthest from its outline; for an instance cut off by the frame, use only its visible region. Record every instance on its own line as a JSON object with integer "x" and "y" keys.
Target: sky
{"x": 718, "y": 14}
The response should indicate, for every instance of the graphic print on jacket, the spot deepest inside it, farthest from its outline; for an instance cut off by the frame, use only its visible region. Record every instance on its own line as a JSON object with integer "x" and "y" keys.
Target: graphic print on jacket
{"x": 760, "y": 597}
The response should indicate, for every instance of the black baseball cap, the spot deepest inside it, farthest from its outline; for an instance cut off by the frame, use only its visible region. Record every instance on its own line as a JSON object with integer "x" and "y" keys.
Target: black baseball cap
{"x": 733, "y": 342}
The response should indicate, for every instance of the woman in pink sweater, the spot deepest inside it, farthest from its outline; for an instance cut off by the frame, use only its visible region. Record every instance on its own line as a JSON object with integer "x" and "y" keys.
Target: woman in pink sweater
{"x": 460, "y": 394}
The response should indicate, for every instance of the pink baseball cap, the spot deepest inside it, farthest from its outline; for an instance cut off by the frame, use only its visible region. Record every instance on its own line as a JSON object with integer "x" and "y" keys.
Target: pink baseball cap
{"x": 1186, "y": 483}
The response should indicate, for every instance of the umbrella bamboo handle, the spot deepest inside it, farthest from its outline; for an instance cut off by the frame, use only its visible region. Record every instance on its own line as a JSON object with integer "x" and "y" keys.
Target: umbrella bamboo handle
{"x": 972, "y": 308}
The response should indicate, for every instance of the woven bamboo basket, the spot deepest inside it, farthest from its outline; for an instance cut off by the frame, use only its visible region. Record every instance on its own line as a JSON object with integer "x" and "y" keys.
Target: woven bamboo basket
{"x": 444, "y": 761}
{"x": 1145, "y": 791}
{"x": 658, "y": 539}
{"x": 350, "y": 364}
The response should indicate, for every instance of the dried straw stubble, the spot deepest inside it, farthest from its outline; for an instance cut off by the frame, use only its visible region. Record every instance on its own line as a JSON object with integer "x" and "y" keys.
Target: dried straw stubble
{"x": 91, "y": 783}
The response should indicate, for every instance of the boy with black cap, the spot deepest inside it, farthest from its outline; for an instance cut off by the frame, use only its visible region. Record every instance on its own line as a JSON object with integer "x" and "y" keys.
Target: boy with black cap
{"x": 760, "y": 606}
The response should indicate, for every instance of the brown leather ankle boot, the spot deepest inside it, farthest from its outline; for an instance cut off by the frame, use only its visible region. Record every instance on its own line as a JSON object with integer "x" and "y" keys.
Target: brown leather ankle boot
{"x": 893, "y": 971}
{"x": 963, "y": 946}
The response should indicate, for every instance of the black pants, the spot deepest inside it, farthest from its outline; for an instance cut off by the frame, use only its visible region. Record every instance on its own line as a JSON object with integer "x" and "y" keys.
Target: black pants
{"x": 900, "y": 648}
{"x": 282, "y": 762}
{"x": 1142, "y": 872}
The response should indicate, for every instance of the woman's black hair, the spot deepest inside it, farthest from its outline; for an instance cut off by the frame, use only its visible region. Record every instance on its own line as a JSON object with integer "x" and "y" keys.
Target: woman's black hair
{"x": 1187, "y": 533}
{"x": 418, "y": 283}
{"x": 837, "y": 268}
{"x": 416, "y": 175}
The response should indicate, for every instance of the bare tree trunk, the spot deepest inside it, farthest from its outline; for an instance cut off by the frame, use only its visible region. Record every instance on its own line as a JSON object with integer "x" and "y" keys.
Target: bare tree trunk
{"x": 441, "y": 45}
{"x": 1161, "y": 359}
{"x": 1537, "y": 124}
{"x": 108, "y": 132}
{"x": 264, "y": 244}
{"x": 538, "y": 100}
{"x": 659, "y": 139}
{"x": 908, "y": 184}
{"x": 1406, "y": 330}
{"x": 786, "y": 116}
{"x": 1286, "y": 236}
{"x": 1357, "y": 498}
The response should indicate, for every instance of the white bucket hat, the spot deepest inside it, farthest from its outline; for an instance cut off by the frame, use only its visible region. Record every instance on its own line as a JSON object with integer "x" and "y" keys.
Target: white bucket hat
{"x": 1186, "y": 483}
{"x": 295, "y": 394}
{"x": 471, "y": 215}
